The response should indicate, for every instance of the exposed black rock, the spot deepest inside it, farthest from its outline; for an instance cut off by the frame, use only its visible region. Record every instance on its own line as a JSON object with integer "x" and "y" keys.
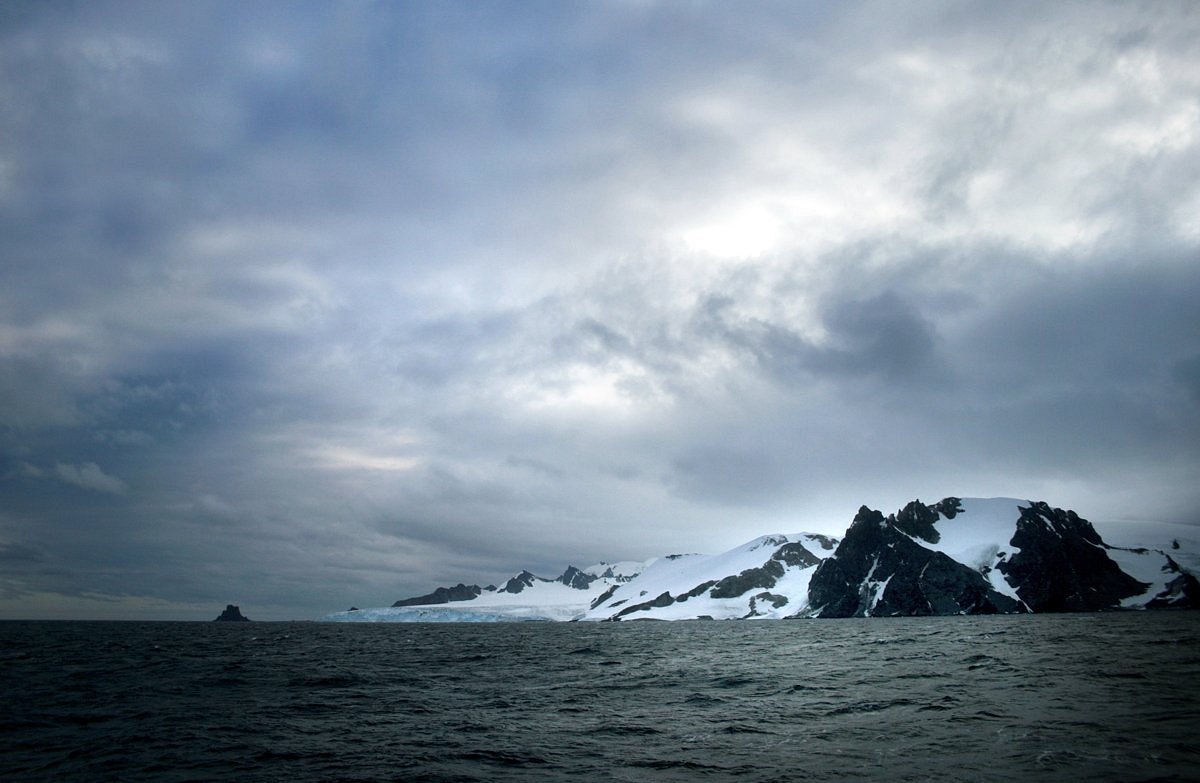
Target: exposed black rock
{"x": 1182, "y": 592}
{"x": 795, "y": 554}
{"x": 1063, "y": 564}
{"x": 695, "y": 591}
{"x": 662, "y": 600}
{"x": 232, "y": 614}
{"x": 826, "y": 542}
{"x": 917, "y": 519}
{"x": 764, "y": 576}
{"x": 878, "y": 570}
{"x": 443, "y": 595}
{"x": 777, "y": 601}
{"x": 573, "y": 577}
{"x": 520, "y": 582}
{"x": 948, "y": 507}
{"x": 835, "y": 585}
{"x": 609, "y": 573}
{"x": 948, "y": 587}
{"x": 607, "y": 594}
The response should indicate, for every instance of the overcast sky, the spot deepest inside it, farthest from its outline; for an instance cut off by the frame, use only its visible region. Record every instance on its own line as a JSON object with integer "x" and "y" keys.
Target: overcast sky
{"x": 317, "y": 304}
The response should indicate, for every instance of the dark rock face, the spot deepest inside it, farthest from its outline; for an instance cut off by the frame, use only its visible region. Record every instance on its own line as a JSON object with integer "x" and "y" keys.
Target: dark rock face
{"x": 764, "y": 576}
{"x": 796, "y": 555}
{"x": 834, "y": 587}
{"x": 826, "y": 542}
{"x": 660, "y": 601}
{"x": 443, "y": 595}
{"x": 520, "y": 582}
{"x": 1059, "y": 564}
{"x": 950, "y": 587}
{"x": 610, "y": 574}
{"x": 1183, "y": 592}
{"x": 607, "y": 594}
{"x": 948, "y": 507}
{"x": 776, "y": 601}
{"x": 573, "y": 577}
{"x": 917, "y": 520}
{"x": 695, "y": 591}
{"x": 877, "y": 570}
{"x": 232, "y": 614}
{"x": 1063, "y": 565}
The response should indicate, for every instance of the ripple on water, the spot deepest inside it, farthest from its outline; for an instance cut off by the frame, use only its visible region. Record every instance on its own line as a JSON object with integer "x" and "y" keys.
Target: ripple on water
{"x": 1111, "y": 697}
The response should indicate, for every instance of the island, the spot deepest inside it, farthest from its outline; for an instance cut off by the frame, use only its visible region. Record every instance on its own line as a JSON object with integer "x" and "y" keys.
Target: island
{"x": 232, "y": 614}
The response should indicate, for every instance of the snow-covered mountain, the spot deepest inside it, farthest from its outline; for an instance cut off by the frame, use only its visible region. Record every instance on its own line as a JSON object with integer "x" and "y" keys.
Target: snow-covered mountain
{"x": 525, "y": 596}
{"x": 957, "y": 556}
{"x": 766, "y": 578}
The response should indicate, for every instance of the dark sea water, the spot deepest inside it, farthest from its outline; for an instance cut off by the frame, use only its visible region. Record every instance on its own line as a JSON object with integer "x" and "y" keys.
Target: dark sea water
{"x": 1044, "y": 698}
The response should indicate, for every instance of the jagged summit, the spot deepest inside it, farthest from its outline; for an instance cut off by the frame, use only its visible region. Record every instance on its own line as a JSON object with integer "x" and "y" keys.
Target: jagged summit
{"x": 573, "y": 577}
{"x": 955, "y": 556}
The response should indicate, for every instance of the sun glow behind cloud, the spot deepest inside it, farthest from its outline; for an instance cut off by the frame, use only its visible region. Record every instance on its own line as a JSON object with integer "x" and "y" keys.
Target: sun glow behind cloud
{"x": 619, "y": 389}
{"x": 346, "y": 458}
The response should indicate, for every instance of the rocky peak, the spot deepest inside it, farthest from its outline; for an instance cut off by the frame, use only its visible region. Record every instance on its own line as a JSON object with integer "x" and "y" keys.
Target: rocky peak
{"x": 520, "y": 582}
{"x": 878, "y": 569}
{"x": 577, "y": 579}
{"x": 917, "y": 519}
{"x": 1062, "y": 565}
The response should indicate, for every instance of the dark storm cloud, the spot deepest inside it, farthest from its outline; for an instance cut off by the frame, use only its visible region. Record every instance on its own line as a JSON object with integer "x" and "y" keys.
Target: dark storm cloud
{"x": 883, "y": 337}
{"x": 319, "y": 304}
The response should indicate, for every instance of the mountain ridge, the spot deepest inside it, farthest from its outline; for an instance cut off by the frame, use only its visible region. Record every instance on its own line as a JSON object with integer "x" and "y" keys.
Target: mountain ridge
{"x": 955, "y": 556}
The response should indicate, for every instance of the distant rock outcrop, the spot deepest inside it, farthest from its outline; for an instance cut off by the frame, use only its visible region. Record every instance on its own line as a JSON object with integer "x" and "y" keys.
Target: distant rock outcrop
{"x": 232, "y": 614}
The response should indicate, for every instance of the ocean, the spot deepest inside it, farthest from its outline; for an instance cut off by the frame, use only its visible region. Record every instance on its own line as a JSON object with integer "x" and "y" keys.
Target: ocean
{"x": 1112, "y": 696}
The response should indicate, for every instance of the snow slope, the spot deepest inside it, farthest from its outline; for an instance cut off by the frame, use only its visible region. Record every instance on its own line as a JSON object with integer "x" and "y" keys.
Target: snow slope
{"x": 677, "y": 576}
{"x": 1142, "y": 550}
{"x": 1180, "y": 542}
{"x": 979, "y": 536}
{"x": 541, "y": 600}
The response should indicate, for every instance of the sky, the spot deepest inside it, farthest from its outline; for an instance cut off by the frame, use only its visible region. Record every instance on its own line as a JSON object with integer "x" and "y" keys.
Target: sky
{"x": 312, "y": 305}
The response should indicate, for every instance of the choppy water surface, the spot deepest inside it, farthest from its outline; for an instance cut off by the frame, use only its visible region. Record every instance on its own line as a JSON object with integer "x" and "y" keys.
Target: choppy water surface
{"x": 1105, "y": 697}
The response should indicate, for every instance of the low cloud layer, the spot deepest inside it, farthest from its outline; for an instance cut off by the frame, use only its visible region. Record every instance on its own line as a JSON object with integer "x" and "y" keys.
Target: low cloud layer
{"x": 324, "y": 304}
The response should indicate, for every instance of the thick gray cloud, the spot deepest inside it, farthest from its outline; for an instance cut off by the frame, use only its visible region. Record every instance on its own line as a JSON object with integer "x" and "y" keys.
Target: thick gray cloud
{"x": 323, "y": 304}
